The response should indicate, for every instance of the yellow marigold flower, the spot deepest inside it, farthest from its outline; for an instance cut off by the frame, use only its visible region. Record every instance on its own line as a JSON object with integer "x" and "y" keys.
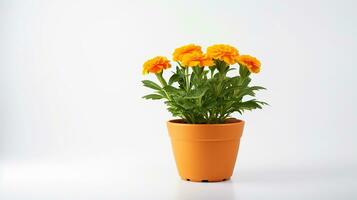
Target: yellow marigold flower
{"x": 250, "y": 62}
{"x": 156, "y": 65}
{"x": 224, "y": 53}
{"x": 187, "y": 49}
{"x": 196, "y": 59}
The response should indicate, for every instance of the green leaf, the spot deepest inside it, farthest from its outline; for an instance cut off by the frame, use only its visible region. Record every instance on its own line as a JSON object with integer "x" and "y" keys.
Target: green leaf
{"x": 245, "y": 81}
{"x": 172, "y": 90}
{"x": 153, "y": 96}
{"x": 257, "y": 88}
{"x": 186, "y": 104}
{"x": 150, "y": 84}
{"x": 248, "y": 105}
{"x": 262, "y": 103}
{"x": 174, "y": 78}
{"x": 243, "y": 92}
{"x": 243, "y": 71}
{"x": 209, "y": 103}
{"x": 197, "y": 93}
{"x": 197, "y": 70}
{"x": 161, "y": 92}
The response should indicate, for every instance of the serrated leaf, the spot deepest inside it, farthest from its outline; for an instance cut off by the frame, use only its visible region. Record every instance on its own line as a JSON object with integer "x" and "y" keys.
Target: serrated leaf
{"x": 248, "y": 105}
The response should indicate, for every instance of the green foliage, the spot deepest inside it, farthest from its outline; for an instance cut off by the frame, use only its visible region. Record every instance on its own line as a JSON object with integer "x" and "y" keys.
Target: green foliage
{"x": 206, "y": 95}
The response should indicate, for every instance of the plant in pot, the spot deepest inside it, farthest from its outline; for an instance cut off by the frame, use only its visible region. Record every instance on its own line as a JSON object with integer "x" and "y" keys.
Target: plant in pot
{"x": 201, "y": 93}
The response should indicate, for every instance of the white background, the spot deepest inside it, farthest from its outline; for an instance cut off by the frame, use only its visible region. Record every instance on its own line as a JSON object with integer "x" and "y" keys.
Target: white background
{"x": 73, "y": 124}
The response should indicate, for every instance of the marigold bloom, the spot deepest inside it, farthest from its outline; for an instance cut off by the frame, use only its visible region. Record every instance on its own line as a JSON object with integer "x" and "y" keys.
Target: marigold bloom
{"x": 250, "y": 62}
{"x": 224, "y": 53}
{"x": 156, "y": 65}
{"x": 196, "y": 59}
{"x": 187, "y": 49}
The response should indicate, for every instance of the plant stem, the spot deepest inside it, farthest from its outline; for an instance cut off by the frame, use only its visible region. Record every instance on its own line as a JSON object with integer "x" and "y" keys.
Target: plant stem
{"x": 163, "y": 83}
{"x": 161, "y": 79}
{"x": 187, "y": 79}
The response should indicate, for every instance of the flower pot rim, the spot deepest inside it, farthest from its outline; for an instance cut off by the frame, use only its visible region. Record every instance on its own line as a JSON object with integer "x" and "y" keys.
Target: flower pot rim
{"x": 230, "y": 122}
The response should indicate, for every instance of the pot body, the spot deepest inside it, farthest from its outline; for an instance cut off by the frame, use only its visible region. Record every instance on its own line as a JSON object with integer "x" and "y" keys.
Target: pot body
{"x": 205, "y": 152}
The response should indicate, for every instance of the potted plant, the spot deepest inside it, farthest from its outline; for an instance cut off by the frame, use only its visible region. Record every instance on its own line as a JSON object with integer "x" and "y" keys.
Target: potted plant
{"x": 205, "y": 139}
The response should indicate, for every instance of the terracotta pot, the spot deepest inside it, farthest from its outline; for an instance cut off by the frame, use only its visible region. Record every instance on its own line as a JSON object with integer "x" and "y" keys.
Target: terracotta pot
{"x": 205, "y": 152}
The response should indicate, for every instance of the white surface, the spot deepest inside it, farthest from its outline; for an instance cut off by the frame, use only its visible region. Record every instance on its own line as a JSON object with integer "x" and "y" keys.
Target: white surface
{"x": 136, "y": 179}
{"x": 73, "y": 125}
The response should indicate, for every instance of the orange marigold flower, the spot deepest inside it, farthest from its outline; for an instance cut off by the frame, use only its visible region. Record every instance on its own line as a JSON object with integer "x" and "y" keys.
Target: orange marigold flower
{"x": 250, "y": 62}
{"x": 187, "y": 49}
{"x": 224, "y": 53}
{"x": 156, "y": 65}
{"x": 196, "y": 59}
